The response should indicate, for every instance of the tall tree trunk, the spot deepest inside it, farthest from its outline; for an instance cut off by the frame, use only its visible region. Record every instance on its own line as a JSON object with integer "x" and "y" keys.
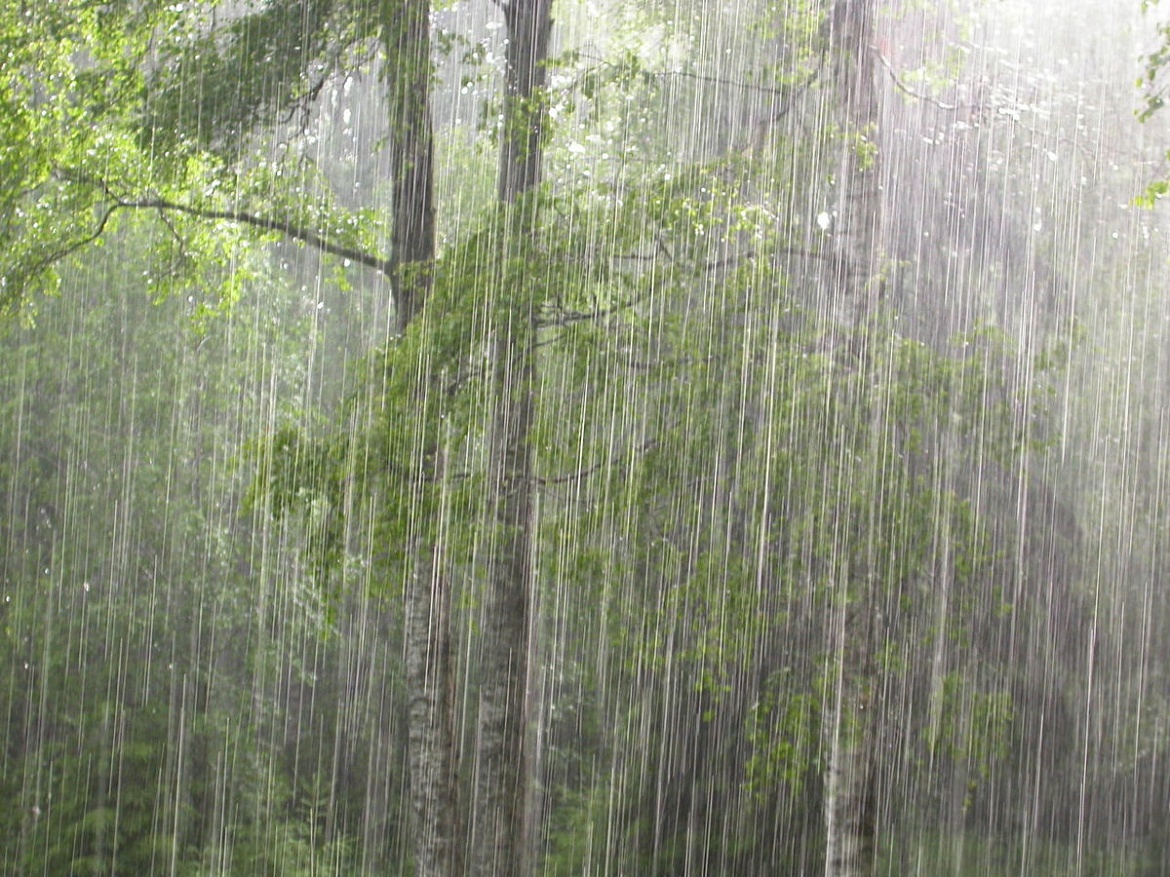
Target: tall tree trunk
{"x": 406, "y": 35}
{"x": 502, "y": 768}
{"x": 521, "y": 149}
{"x": 850, "y": 799}
{"x": 850, "y": 814}
{"x": 498, "y": 820}
{"x": 430, "y": 720}
{"x": 856, "y": 233}
{"x": 429, "y": 673}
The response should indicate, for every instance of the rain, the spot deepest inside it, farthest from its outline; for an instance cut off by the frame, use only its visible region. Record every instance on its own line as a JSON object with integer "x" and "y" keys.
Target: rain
{"x": 581, "y": 437}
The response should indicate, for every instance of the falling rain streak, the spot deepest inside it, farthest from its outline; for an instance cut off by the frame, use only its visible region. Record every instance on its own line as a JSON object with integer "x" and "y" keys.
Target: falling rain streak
{"x": 517, "y": 437}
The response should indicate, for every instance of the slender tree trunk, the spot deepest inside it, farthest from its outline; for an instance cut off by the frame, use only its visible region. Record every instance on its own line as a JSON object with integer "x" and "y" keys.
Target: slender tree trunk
{"x": 850, "y": 813}
{"x": 849, "y": 850}
{"x": 498, "y": 820}
{"x": 430, "y": 738}
{"x": 429, "y": 672}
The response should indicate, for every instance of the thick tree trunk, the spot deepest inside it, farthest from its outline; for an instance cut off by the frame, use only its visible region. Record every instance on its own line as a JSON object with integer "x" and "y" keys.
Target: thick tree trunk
{"x": 857, "y": 227}
{"x": 498, "y": 820}
{"x": 502, "y": 770}
{"x": 429, "y": 673}
{"x": 521, "y": 148}
{"x": 850, "y": 814}
{"x": 407, "y": 38}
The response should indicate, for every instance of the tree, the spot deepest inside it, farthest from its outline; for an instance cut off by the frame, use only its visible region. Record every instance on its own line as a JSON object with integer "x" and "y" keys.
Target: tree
{"x": 499, "y": 822}
{"x": 143, "y": 639}
{"x": 849, "y": 786}
{"x": 97, "y": 130}
{"x": 655, "y": 388}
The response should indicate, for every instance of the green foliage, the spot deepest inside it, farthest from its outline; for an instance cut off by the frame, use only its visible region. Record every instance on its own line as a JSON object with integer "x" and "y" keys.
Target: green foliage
{"x": 971, "y": 854}
{"x": 970, "y": 725}
{"x": 1155, "y": 97}
{"x": 92, "y": 131}
{"x": 422, "y": 457}
{"x": 763, "y": 463}
{"x": 303, "y": 479}
{"x": 140, "y": 665}
{"x": 796, "y": 28}
{"x": 718, "y": 467}
{"x": 51, "y": 103}
{"x": 783, "y": 731}
{"x": 254, "y": 70}
{"x": 578, "y": 839}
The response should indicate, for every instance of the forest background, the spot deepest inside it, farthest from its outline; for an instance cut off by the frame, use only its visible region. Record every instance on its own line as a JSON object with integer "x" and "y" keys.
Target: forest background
{"x": 655, "y": 437}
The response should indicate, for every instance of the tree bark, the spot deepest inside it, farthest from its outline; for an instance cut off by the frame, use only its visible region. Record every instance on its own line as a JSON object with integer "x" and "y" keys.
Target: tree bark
{"x": 502, "y": 768}
{"x": 430, "y": 736}
{"x": 429, "y": 673}
{"x": 857, "y": 227}
{"x": 522, "y": 148}
{"x": 499, "y": 823}
{"x": 407, "y": 39}
{"x": 849, "y": 810}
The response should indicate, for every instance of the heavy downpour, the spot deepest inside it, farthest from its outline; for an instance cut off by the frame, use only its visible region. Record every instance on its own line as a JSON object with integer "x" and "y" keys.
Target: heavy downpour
{"x": 500, "y": 438}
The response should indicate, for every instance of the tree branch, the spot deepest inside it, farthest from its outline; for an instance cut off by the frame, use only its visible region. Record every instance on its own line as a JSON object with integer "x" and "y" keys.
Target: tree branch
{"x": 65, "y": 252}
{"x": 284, "y": 226}
{"x": 563, "y": 317}
{"x": 905, "y": 89}
{"x": 781, "y": 90}
{"x": 596, "y": 467}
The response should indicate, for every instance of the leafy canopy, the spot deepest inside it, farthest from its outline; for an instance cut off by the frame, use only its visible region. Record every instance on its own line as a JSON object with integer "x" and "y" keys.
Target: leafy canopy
{"x": 110, "y": 108}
